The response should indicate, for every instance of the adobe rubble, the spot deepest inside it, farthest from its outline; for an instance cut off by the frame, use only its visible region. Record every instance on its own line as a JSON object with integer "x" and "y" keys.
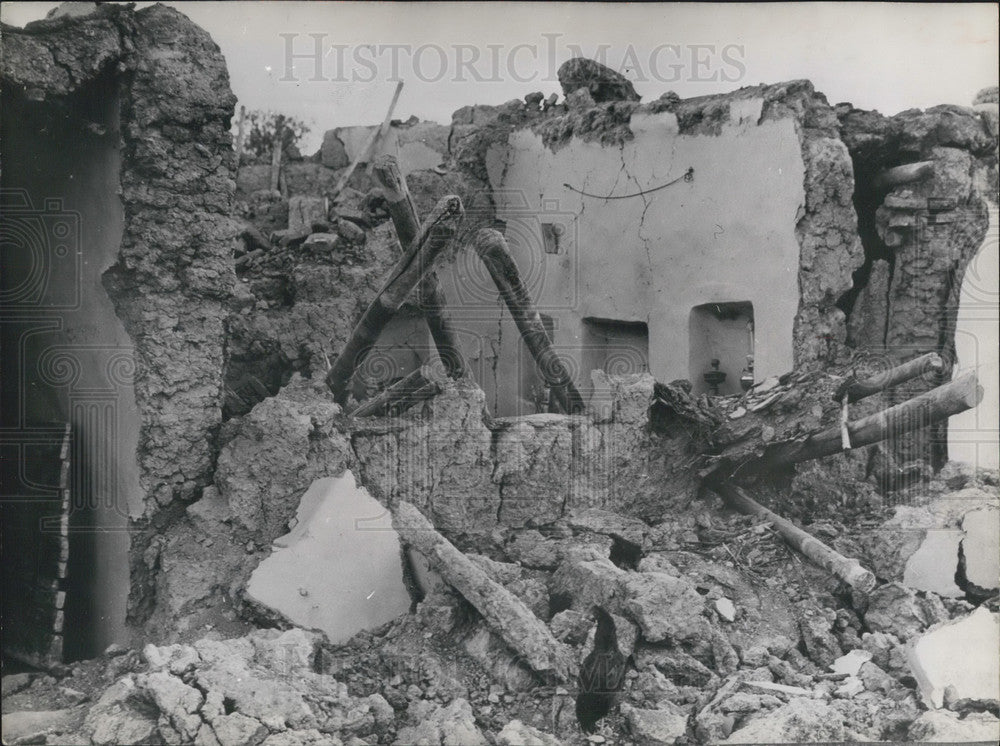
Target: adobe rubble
{"x": 595, "y": 523}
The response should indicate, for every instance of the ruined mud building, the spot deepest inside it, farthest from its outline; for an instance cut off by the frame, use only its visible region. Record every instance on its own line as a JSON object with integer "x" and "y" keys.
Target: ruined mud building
{"x": 181, "y": 316}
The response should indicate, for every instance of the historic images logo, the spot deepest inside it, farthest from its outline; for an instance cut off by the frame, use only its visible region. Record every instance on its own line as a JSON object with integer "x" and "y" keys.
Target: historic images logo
{"x": 318, "y": 57}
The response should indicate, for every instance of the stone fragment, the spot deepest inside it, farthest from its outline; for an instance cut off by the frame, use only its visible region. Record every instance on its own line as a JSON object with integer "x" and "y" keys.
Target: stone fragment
{"x": 664, "y": 607}
{"x": 112, "y": 719}
{"x": 817, "y": 633}
{"x": 516, "y": 733}
{"x": 308, "y": 737}
{"x": 799, "y": 721}
{"x": 532, "y": 549}
{"x": 570, "y": 626}
{"x": 659, "y": 726}
{"x": 603, "y": 83}
{"x": 333, "y": 154}
{"x": 344, "y": 554}
{"x": 33, "y": 725}
{"x": 350, "y": 231}
{"x": 988, "y": 95}
{"x": 896, "y": 609}
{"x": 16, "y": 682}
{"x": 322, "y": 242}
{"x": 304, "y": 210}
{"x": 178, "y": 702}
{"x": 941, "y": 726}
{"x": 237, "y": 729}
{"x": 963, "y": 654}
{"x": 726, "y": 609}
{"x": 851, "y": 687}
{"x": 453, "y": 725}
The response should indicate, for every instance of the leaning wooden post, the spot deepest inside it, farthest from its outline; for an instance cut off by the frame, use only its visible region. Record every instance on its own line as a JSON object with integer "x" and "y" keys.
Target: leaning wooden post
{"x": 276, "y": 149}
{"x": 846, "y": 569}
{"x": 505, "y": 613}
{"x": 441, "y": 227}
{"x": 491, "y": 247}
{"x": 369, "y": 146}
{"x": 432, "y": 300}
{"x": 932, "y": 406}
{"x": 241, "y": 131}
{"x": 857, "y": 390}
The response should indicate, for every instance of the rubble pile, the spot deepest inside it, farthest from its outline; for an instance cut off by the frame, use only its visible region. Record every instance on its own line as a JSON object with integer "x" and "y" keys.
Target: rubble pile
{"x": 597, "y": 572}
{"x": 701, "y": 628}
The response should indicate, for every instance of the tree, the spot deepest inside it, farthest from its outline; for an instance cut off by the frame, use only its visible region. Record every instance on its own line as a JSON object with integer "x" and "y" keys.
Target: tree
{"x": 263, "y": 126}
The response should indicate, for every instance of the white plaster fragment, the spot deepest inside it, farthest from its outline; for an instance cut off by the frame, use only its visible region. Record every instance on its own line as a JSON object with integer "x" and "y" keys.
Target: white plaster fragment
{"x": 339, "y": 569}
{"x": 851, "y": 663}
{"x": 981, "y": 547}
{"x": 964, "y": 654}
{"x": 932, "y": 567}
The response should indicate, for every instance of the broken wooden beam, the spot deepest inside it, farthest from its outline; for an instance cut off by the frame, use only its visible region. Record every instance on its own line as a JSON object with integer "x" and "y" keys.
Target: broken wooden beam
{"x": 491, "y": 247}
{"x": 383, "y": 129}
{"x": 419, "y": 259}
{"x": 847, "y": 569}
{"x": 369, "y": 147}
{"x": 432, "y": 301}
{"x": 905, "y": 174}
{"x": 857, "y": 390}
{"x": 932, "y": 406}
{"x": 421, "y": 384}
{"x": 504, "y": 612}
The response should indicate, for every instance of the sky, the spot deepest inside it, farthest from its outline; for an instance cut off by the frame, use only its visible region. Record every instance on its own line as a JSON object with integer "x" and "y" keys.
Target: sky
{"x": 885, "y": 56}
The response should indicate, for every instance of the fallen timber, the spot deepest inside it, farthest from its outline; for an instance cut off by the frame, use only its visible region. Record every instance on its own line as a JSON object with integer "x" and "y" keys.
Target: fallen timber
{"x": 491, "y": 247}
{"x": 432, "y": 300}
{"x": 932, "y": 406}
{"x": 421, "y": 384}
{"x": 847, "y": 569}
{"x": 428, "y": 246}
{"x": 931, "y": 363}
{"x": 517, "y": 625}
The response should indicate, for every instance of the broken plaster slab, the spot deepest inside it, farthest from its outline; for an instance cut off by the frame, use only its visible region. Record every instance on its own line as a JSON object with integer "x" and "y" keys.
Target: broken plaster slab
{"x": 962, "y": 654}
{"x": 932, "y": 566}
{"x": 925, "y": 541}
{"x": 339, "y": 569}
{"x": 981, "y": 547}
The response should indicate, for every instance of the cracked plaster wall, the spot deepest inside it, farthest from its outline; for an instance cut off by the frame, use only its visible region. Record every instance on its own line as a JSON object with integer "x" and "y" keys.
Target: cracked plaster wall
{"x": 768, "y": 214}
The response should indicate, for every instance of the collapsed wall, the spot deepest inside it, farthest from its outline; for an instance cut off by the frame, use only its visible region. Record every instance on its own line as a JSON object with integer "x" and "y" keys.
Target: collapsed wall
{"x": 924, "y": 181}
{"x": 131, "y": 115}
{"x": 209, "y": 332}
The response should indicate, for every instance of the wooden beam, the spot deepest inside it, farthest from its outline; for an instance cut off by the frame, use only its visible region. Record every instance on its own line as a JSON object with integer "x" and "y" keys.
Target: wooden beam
{"x": 846, "y": 569}
{"x": 932, "y": 406}
{"x": 491, "y": 247}
{"x": 905, "y": 174}
{"x": 504, "y": 612}
{"x": 365, "y": 153}
{"x": 419, "y": 259}
{"x": 421, "y": 384}
{"x": 432, "y": 301}
{"x": 276, "y": 149}
{"x": 857, "y": 390}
